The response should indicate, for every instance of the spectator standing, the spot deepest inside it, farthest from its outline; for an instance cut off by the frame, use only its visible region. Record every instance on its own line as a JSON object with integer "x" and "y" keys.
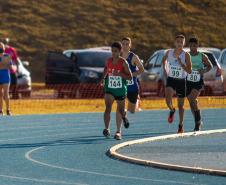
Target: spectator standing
{"x": 11, "y": 51}
{"x": 5, "y": 66}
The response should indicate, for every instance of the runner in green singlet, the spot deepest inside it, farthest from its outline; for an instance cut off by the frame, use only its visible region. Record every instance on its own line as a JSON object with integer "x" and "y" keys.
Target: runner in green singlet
{"x": 116, "y": 72}
{"x": 194, "y": 83}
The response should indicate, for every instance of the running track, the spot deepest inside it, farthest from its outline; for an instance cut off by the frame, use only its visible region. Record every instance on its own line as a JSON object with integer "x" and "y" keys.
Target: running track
{"x": 69, "y": 149}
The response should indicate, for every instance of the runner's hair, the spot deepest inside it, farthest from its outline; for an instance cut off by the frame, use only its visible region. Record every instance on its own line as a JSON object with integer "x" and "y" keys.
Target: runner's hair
{"x": 117, "y": 45}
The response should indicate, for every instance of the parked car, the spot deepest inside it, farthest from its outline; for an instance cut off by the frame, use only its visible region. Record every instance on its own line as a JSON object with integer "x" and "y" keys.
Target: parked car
{"x": 222, "y": 61}
{"x": 59, "y": 71}
{"x": 152, "y": 80}
{"x": 23, "y": 81}
{"x": 215, "y": 51}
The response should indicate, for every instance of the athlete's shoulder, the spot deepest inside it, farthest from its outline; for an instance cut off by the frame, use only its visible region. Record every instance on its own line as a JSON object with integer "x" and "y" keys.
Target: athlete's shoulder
{"x": 122, "y": 59}
{"x": 204, "y": 56}
{"x": 186, "y": 53}
{"x": 167, "y": 52}
{"x": 135, "y": 56}
{"x": 109, "y": 59}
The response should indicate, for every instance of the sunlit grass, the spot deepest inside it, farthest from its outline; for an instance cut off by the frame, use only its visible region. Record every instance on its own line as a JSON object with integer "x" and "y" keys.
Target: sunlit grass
{"x": 38, "y": 26}
{"x": 53, "y": 106}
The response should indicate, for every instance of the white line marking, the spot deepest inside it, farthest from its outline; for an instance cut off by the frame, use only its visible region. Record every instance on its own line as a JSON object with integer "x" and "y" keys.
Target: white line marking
{"x": 39, "y": 180}
{"x": 28, "y": 157}
{"x": 114, "y": 153}
{"x": 39, "y": 136}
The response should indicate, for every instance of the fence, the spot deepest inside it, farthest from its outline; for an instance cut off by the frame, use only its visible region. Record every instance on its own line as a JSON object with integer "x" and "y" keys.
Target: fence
{"x": 69, "y": 98}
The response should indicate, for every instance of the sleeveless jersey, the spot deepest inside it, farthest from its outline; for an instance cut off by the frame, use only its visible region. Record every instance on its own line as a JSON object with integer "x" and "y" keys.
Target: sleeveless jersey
{"x": 197, "y": 64}
{"x": 132, "y": 85}
{"x": 115, "y": 85}
{"x": 174, "y": 68}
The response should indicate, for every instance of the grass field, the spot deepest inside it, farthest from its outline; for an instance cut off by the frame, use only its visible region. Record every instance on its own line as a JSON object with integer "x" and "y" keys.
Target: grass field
{"x": 52, "y": 106}
{"x": 35, "y": 27}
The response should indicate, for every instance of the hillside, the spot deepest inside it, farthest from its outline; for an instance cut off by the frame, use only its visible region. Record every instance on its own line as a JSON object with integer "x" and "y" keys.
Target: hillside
{"x": 38, "y": 26}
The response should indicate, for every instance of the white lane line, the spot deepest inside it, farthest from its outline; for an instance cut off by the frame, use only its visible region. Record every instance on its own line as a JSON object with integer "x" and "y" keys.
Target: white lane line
{"x": 39, "y": 180}
{"x": 49, "y": 131}
{"x": 28, "y": 157}
{"x": 36, "y": 127}
{"x": 113, "y": 152}
{"x": 39, "y": 136}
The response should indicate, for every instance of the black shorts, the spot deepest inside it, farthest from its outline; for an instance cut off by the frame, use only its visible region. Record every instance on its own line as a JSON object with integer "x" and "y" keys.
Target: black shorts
{"x": 13, "y": 78}
{"x": 194, "y": 85}
{"x": 120, "y": 98}
{"x": 179, "y": 85}
{"x": 132, "y": 97}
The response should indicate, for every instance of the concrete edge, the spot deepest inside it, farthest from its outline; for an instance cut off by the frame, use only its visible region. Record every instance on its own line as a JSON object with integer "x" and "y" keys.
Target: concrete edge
{"x": 113, "y": 153}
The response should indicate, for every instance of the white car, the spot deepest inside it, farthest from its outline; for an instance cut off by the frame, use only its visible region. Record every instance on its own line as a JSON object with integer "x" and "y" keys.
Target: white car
{"x": 23, "y": 81}
{"x": 222, "y": 62}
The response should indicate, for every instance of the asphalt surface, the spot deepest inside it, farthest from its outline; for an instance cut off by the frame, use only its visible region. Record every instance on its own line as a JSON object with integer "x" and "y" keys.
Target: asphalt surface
{"x": 70, "y": 149}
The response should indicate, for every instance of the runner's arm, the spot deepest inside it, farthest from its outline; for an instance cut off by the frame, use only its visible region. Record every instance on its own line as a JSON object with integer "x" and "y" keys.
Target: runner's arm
{"x": 188, "y": 66}
{"x": 127, "y": 75}
{"x": 164, "y": 63}
{"x": 7, "y": 63}
{"x": 207, "y": 63}
{"x": 139, "y": 65}
{"x": 104, "y": 74}
{"x": 11, "y": 65}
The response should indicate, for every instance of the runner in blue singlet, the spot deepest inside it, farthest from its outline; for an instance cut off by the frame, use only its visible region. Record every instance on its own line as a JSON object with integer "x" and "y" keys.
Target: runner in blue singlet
{"x": 136, "y": 68}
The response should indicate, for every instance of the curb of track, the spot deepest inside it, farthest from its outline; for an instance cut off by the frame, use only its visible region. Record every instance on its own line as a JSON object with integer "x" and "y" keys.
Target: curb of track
{"x": 112, "y": 152}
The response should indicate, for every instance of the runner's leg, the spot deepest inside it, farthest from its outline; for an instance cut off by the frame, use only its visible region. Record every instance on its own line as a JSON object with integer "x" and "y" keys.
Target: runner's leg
{"x": 169, "y": 92}
{"x": 192, "y": 98}
{"x": 121, "y": 111}
{"x": 6, "y": 95}
{"x": 180, "y": 102}
{"x": 1, "y": 99}
{"x": 109, "y": 100}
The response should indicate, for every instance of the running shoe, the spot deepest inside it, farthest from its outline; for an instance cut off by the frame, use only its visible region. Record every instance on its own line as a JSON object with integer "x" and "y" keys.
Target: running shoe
{"x": 1, "y": 113}
{"x": 171, "y": 115}
{"x": 118, "y": 136}
{"x": 8, "y": 113}
{"x": 198, "y": 126}
{"x": 180, "y": 129}
{"x": 106, "y": 133}
{"x": 125, "y": 122}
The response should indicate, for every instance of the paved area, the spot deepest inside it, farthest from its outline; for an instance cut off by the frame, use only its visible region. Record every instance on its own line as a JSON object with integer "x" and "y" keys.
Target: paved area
{"x": 70, "y": 149}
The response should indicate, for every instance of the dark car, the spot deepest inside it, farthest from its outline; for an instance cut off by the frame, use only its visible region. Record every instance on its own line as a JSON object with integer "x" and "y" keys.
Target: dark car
{"x": 60, "y": 72}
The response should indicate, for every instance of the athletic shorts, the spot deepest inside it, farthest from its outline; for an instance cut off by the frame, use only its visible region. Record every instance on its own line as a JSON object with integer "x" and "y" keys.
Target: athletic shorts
{"x": 13, "y": 77}
{"x": 179, "y": 85}
{"x": 132, "y": 97}
{"x": 120, "y": 98}
{"x": 4, "y": 76}
{"x": 194, "y": 85}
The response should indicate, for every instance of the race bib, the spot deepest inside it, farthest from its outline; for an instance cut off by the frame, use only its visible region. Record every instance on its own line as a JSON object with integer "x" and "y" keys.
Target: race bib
{"x": 175, "y": 72}
{"x": 129, "y": 82}
{"x": 194, "y": 76}
{"x": 115, "y": 82}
